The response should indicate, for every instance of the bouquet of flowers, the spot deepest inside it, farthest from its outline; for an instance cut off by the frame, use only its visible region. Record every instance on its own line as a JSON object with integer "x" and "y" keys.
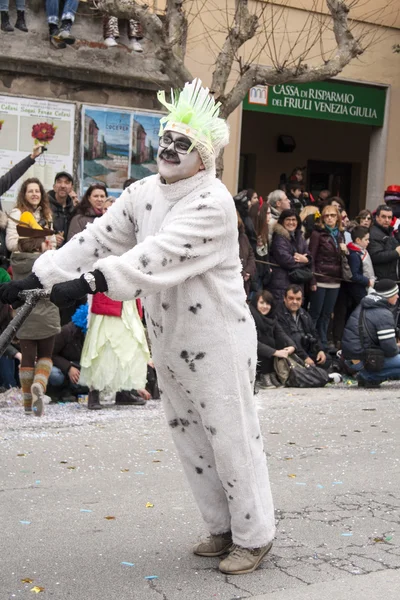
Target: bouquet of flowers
{"x": 43, "y": 133}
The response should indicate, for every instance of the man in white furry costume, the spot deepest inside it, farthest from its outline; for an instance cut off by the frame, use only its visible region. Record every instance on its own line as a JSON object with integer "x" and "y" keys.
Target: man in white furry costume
{"x": 171, "y": 239}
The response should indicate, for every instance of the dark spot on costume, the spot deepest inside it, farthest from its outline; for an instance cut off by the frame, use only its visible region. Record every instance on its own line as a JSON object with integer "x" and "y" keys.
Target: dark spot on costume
{"x": 202, "y": 405}
{"x": 209, "y": 466}
{"x": 148, "y": 206}
{"x": 200, "y": 355}
{"x": 213, "y": 431}
{"x": 128, "y": 190}
{"x": 247, "y": 516}
{"x": 249, "y": 362}
{"x": 188, "y": 391}
{"x": 234, "y": 480}
{"x": 190, "y": 411}
{"x": 137, "y": 293}
{"x": 184, "y": 422}
{"x": 230, "y": 484}
{"x": 79, "y": 269}
{"x": 199, "y": 470}
{"x": 165, "y": 306}
{"x": 144, "y": 260}
{"x": 192, "y": 367}
{"x": 242, "y": 320}
{"x": 170, "y": 260}
{"x": 124, "y": 213}
{"x": 201, "y": 206}
{"x": 194, "y": 309}
{"x": 201, "y": 456}
{"x": 174, "y": 423}
{"x": 187, "y": 245}
{"x": 81, "y": 239}
{"x": 164, "y": 262}
{"x": 183, "y": 430}
{"x": 230, "y": 497}
{"x": 149, "y": 273}
{"x": 205, "y": 240}
{"x": 142, "y": 181}
{"x": 258, "y": 437}
{"x": 195, "y": 422}
{"x": 184, "y": 354}
{"x": 96, "y": 252}
{"x": 109, "y": 228}
{"x": 183, "y": 258}
{"x": 130, "y": 218}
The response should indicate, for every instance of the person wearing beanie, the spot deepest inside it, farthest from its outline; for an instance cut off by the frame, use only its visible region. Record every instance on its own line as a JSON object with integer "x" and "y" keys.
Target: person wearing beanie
{"x": 375, "y": 317}
{"x": 171, "y": 239}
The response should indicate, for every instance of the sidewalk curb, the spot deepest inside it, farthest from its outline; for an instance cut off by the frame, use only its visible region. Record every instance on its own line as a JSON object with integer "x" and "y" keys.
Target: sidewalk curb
{"x": 373, "y": 586}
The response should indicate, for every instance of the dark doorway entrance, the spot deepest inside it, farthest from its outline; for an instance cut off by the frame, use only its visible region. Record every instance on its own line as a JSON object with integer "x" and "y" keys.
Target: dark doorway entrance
{"x": 333, "y": 176}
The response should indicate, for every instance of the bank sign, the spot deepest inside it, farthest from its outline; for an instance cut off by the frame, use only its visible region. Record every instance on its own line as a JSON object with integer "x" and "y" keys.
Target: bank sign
{"x": 328, "y": 100}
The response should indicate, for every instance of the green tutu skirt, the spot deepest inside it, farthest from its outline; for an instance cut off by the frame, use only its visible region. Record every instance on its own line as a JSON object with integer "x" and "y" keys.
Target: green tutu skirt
{"x": 115, "y": 352}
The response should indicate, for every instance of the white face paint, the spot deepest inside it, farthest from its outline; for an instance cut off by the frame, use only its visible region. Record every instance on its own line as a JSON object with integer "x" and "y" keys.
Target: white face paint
{"x": 172, "y": 164}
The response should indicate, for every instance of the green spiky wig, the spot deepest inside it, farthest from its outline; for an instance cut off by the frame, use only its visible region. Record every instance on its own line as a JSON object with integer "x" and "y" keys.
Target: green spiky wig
{"x": 194, "y": 113}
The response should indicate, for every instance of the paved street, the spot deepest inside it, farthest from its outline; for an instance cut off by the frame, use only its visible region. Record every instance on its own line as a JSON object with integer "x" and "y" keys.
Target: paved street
{"x": 96, "y": 505}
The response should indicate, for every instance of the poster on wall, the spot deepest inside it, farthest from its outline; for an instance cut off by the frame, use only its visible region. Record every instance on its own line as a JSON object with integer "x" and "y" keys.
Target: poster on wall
{"x": 23, "y": 121}
{"x": 117, "y": 145}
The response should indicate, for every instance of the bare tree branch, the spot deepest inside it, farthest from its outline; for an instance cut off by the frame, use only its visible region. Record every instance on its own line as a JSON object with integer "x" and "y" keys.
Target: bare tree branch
{"x": 177, "y": 27}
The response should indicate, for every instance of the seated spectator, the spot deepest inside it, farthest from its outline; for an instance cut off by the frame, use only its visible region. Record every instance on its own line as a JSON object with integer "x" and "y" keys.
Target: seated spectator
{"x": 298, "y": 325}
{"x": 62, "y": 205}
{"x": 289, "y": 251}
{"x": 278, "y": 201}
{"x": 377, "y": 327}
{"x": 111, "y": 33}
{"x": 271, "y": 339}
{"x": 246, "y": 256}
{"x": 364, "y": 218}
{"x": 64, "y": 377}
{"x": 360, "y": 263}
{"x": 60, "y": 33}
{"x": 243, "y": 204}
{"x": 5, "y": 19}
{"x": 384, "y": 248}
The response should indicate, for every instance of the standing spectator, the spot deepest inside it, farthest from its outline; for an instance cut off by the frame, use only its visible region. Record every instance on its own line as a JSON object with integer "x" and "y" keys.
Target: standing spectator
{"x": 61, "y": 205}
{"x": 262, "y": 250}
{"x": 31, "y": 198}
{"x": 60, "y": 33}
{"x": 278, "y": 201}
{"x": 383, "y": 247}
{"x": 243, "y": 204}
{"x": 323, "y": 198}
{"x": 337, "y": 203}
{"x": 91, "y": 207}
{"x": 271, "y": 339}
{"x": 254, "y": 205}
{"x": 295, "y": 195}
{"x": 111, "y": 33}
{"x": 392, "y": 199}
{"x": 246, "y": 256}
{"x": 288, "y": 250}
{"x": 364, "y": 218}
{"x": 378, "y": 331}
{"x": 298, "y": 325}
{"x": 362, "y": 270}
{"x": 326, "y": 247}
{"x": 5, "y": 19}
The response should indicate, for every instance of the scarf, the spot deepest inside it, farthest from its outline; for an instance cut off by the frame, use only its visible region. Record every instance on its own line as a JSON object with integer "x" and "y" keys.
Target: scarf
{"x": 334, "y": 233}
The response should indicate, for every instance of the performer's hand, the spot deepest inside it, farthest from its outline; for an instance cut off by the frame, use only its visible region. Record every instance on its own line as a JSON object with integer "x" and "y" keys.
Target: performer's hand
{"x": 9, "y": 292}
{"x": 66, "y": 293}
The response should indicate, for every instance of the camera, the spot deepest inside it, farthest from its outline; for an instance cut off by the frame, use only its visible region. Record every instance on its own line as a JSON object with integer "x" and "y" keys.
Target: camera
{"x": 309, "y": 343}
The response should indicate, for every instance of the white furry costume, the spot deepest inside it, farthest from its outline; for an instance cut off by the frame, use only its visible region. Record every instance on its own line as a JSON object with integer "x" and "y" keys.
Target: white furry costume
{"x": 176, "y": 247}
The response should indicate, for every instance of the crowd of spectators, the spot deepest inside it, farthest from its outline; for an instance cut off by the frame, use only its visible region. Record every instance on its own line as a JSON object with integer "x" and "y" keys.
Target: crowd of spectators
{"x": 307, "y": 267}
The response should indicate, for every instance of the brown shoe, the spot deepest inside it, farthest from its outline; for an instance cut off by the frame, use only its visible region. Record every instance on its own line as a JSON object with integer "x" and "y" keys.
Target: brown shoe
{"x": 243, "y": 560}
{"x": 214, "y": 545}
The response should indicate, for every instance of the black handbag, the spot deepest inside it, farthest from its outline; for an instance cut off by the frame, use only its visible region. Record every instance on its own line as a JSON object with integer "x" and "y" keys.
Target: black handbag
{"x": 293, "y": 372}
{"x": 301, "y": 274}
{"x": 374, "y": 358}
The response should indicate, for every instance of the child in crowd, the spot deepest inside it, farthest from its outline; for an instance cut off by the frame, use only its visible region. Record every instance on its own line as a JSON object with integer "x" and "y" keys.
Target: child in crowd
{"x": 363, "y": 276}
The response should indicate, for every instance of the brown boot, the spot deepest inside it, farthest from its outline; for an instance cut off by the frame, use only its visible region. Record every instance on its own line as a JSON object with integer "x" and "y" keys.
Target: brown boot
{"x": 243, "y": 560}
{"x": 94, "y": 400}
{"x": 214, "y": 545}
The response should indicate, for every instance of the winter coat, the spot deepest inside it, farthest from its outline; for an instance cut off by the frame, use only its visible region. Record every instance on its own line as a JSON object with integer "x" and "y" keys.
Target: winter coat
{"x": 297, "y": 329}
{"x": 44, "y": 320}
{"x": 79, "y": 222}
{"x": 61, "y": 214}
{"x": 379, "y": 319}
{"x": 326, "y": 255}
{"x": 68, "y": 347}
{"x": 359, "y": 282}
{"x": 12, "y": 236}
{"x": 246, "y": 256}
{"x": 270, "y": 335}
{"x": 3, "y": 228}
{"x": 384, "y": 257}
{"x": 283, "y": 248}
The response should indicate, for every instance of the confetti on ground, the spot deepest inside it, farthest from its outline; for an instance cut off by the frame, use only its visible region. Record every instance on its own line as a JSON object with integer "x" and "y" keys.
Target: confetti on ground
{"x": 37, "y": 589}
{"x": 37, "y": 482}
{"x": 292, "y": 475}
{"x": 21, "y": 454}
{"x": 128, "y": 564}
{"x": 319, "y": 486}
{"x": 388, "y": 538}
{"x": 337, "y": 482}
{"x": 149, "y": 505}
{"x": 139, "y": 473}
{"x": 298, "y": 483}
{"x": 25, "y": 522}
{"x": 63, "y": 462}
{"x": 110, "y": 518}
{"x": 71, "y": 468}
{"x": 86, "y": 510}
{"x": 124, "y": 470}
{"x": 27, "y": 580}
{"x": 156, "y": 461}
{"x": 348, "y": 534}
{"x": 151, "y": 577}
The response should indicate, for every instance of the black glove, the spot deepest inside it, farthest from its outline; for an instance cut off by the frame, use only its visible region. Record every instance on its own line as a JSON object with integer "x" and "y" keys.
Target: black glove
{"x": 65, "y": 294}
{"x": 9, "y": 292}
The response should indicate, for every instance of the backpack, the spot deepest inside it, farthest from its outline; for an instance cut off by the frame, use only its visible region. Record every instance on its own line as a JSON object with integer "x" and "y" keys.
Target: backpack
{"x": 293, "y": 372}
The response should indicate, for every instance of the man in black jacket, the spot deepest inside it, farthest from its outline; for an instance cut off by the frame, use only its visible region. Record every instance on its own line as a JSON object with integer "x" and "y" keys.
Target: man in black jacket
{"x": 384, "y": 248}
{"x": 61, "y": 205}
{"x": 378, "y": 330}
{"x": 298, "y": 325}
